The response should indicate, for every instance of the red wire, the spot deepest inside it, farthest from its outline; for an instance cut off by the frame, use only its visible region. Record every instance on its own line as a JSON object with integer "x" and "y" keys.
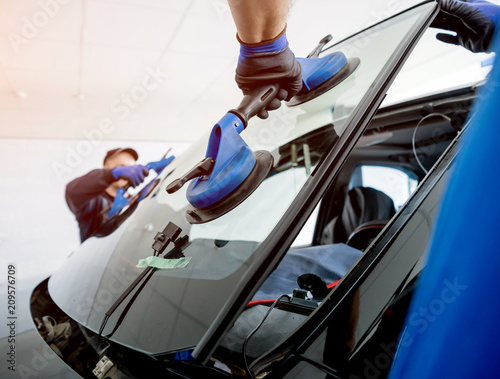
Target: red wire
{"x": 263, "y": 302}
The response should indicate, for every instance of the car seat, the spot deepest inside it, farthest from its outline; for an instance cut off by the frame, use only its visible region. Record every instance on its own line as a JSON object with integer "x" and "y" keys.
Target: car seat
{"x": 364, "y": 214}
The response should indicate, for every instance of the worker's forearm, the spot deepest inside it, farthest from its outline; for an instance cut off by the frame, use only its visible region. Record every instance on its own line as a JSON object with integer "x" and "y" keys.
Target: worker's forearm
{"x": 259, "y": 20}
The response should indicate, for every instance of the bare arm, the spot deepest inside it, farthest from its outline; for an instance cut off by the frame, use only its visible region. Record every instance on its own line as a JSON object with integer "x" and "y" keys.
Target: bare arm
{"x": 259, "y": 20}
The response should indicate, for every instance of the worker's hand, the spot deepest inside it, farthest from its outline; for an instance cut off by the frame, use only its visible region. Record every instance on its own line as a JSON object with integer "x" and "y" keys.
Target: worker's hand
{"x": 473, "y": 21}
{"x": 134, "y": 174}
{"x": 269, "y": 63}
{"x": 159, "y": 165}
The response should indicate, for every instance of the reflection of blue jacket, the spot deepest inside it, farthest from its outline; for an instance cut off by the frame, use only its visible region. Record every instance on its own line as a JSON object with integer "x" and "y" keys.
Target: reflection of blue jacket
{"x": 87, "y": 199}
{"x": 459, "y": 336}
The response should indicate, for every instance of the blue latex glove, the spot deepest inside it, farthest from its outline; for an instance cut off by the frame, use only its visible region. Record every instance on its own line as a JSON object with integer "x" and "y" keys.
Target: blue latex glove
{"x": 269, "y": 63}
{"x": 134, "y": 174}
{"x": 160, "y": 165}
{"x": 473, "y": 22}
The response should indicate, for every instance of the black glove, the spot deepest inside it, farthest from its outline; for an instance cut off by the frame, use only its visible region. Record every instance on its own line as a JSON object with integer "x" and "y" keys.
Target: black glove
{"x": 473, "y": 21}
{"x": 270, "y": 62}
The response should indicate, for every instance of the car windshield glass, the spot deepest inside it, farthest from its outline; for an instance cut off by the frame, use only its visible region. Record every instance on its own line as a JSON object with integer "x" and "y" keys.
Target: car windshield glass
{"x": 297, "y": 137}
{"x": 178, "y": 305}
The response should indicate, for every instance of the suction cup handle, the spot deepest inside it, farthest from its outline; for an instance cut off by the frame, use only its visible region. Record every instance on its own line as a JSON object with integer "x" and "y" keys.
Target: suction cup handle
{"x": 317, "y": 50}
{"x": 255, "y": 101}
{"x": 205, "y": 167}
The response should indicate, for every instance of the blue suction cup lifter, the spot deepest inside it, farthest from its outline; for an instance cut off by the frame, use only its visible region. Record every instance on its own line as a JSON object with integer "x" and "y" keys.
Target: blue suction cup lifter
{"x": 319, "y": 75}
{"x": 234, "y": 161}
{"x": 316, "y": 71}
{"x": 229, "y": 160}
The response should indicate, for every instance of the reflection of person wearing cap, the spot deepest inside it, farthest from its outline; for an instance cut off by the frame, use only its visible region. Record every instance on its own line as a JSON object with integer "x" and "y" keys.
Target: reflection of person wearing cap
{"x": 90, "y": 195}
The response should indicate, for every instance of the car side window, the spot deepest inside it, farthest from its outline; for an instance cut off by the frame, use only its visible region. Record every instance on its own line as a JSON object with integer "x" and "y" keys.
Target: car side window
{"x": 396, "y": 183}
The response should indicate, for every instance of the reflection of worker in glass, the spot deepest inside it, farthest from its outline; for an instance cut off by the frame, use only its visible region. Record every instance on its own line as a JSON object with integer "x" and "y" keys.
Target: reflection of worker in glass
{"x": 90, "y": 196}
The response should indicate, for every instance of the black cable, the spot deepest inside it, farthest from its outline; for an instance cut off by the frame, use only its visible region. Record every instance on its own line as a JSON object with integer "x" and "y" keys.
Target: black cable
{"x": 415, "y": 133}
{"x": 247, "y": 368}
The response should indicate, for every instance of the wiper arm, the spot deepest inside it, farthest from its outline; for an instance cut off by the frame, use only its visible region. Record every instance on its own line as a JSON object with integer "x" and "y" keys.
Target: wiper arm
{"x": 161, "y": 241}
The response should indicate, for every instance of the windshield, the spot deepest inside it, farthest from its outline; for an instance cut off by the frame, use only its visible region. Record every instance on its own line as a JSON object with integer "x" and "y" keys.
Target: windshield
{"x": 177, "y": 306}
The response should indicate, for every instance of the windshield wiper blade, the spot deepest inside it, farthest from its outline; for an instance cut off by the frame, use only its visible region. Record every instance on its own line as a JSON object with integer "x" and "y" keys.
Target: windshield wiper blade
{"x": 161, "y": 241}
